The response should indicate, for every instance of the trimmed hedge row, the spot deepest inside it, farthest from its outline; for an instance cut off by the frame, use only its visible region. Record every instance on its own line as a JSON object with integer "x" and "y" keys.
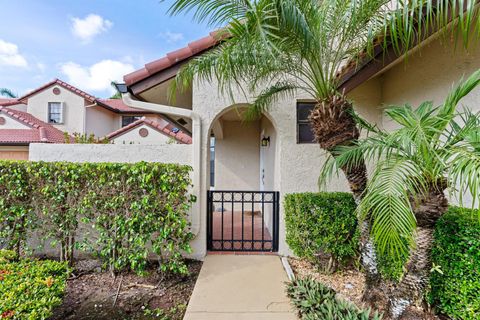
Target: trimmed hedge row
{"x": 326, "y": 223}
{"x": 128, "y": 209}
{"x": 455, "y": 289}
{"x": 322, "y": 223}
{"x": 30, "y": 289}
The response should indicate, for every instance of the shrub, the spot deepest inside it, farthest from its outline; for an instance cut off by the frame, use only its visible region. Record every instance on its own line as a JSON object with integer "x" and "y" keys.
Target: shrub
{"x": 60, "y": 191}
{"x": 17, "y": 216}
{"x": 322, "y": 223}
{"x": 138, "y": 205}
{"x": 455, "y": 286}
{"x": 135, "y": 209}
{"x": 30, "y": 289}
{"x": 313, "y": 300}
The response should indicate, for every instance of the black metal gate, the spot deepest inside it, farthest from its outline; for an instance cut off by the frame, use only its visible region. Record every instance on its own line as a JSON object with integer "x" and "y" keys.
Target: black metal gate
{"x": 242, "y": 220}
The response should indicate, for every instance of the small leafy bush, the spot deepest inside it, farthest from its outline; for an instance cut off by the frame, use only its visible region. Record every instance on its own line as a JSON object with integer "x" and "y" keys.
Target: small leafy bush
{"x": 319, "y": 223}
{"x": 128, "y": 211}
{"x": 17, "y": 216}
{"x": 455, "y": 286}
{"x": 315, "y": 301}
{"x": 30, "y": 289}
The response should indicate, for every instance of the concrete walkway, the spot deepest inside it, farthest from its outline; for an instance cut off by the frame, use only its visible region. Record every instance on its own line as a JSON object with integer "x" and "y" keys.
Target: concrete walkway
{"x": 240, "y": 287}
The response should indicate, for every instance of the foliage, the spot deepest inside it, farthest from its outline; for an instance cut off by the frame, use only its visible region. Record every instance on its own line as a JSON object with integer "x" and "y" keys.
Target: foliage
{"x": 292, "y": 45}
{"x": 17, "y": 216}
{"x": 138, "y": 205}
{"x": 134, "y": 209}
{"x": 83, "y": 138}
{"x": 59, "y": 188}
{"x": 314, "y": 301}
{"x": 321, "y": 223}
{"x": 455, "y": 278}
{"x": 8, "y": 93}
{"x": 432, "y": 148}
{"x": 30, "y": 289}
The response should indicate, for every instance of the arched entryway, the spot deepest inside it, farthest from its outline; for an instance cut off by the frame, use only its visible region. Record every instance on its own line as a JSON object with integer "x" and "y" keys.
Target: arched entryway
{"x": 243, "y": 205}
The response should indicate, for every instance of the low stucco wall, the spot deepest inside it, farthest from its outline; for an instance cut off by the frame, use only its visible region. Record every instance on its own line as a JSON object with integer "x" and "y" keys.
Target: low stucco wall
{"x": 166, "y": 153}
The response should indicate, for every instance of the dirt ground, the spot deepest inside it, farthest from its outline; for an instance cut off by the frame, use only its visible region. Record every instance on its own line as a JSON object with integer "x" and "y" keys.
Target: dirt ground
{"x": 98, "y": 295}
{"x": 349, "y": 285}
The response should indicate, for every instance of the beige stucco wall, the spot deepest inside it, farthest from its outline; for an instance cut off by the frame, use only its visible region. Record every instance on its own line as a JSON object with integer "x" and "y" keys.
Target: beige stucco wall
{"x": 133, "y": 137}
{"x": 237, "y": 156}
{"x": 296, "y": 167}
{"x": 11, "y": 123}
{"x": 74, "y": 113}
{"x": 20, "y": 107}
{"x": 100, "y": 121}
{"x": 169, "y": 153}
{"x": 428, "y": 74}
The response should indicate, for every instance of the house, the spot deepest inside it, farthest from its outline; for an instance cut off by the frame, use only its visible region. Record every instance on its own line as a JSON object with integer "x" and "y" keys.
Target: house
{"x": 65, "y": 108}
{"x": 242, "y": 169}
{"x": 18, "y": 129}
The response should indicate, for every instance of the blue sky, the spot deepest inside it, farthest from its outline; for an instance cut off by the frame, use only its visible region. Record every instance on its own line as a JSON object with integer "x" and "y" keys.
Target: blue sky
{"x": 86, "y": 43}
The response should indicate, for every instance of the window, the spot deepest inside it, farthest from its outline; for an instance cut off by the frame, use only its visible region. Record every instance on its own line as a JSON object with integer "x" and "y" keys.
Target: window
{"x": 126, "y": 120}
{"x": 55, "y": 112}
{"x": 304, "y": 131}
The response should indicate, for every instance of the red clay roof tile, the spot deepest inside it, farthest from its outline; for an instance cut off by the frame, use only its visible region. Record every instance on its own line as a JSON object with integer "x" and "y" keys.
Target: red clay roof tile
{"x": 174, "y": 57}
{"x": 39, "y": 131}
{"x": 180, "y": 136}
{"x": 63, "y": 84}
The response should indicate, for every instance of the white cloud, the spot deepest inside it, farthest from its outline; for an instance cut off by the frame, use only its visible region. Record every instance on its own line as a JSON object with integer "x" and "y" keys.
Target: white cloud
{"x": 87, "y": 28}
{"x": 172, "y": 37}
{"x": 98, "y": 76}
{"x": 10, "y": 56}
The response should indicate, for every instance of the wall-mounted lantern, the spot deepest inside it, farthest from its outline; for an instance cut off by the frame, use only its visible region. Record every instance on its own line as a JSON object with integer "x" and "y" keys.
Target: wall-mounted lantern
{"x": 266, "y": 142}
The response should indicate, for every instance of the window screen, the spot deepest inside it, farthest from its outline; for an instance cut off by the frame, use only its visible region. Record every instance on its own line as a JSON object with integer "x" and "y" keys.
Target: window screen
{"x": 304, "y": 131}
{"x": 55, "y": 112}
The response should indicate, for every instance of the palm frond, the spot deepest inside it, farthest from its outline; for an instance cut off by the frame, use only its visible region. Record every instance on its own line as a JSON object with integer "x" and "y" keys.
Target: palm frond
{"x": 8, "y": 93}
{"x": 263, "y": 101}
{"x": 214, "y": 12}
{"x": 387, "y": 204}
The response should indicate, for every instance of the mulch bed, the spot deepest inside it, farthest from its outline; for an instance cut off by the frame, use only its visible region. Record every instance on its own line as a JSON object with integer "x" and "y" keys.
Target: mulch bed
{"x": 349, "y": 284}
{"x": 98, "y": 295}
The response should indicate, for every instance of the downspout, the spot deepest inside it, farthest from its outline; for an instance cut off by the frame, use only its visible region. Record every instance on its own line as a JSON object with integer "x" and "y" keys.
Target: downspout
{"x": 196, "y": 141}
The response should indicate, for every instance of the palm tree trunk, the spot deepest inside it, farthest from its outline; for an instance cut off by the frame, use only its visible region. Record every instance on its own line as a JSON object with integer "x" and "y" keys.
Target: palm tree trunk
{"x": 410, "y": 290}
{"x": 333, "y": 125}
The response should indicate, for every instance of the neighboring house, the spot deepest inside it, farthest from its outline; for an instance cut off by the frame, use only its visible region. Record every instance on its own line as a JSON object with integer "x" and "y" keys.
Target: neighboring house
{"x": 18, "y": 129}
{"x": 276, "y": 152}
{"x": 71, "y": 110}
{"x": 149, "y": 131}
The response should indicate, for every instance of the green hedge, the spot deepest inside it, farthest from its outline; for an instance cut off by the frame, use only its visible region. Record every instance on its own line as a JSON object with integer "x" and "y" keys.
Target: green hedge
{"x": 455, "y": 289}
{"x": 319, "y": 223}
{"x": 30, "y": 289}
{"x": 128, "y": 207}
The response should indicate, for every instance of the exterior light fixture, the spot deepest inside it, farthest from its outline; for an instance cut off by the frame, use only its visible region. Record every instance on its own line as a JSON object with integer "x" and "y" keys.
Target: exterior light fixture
{"x": 266, "y": 142}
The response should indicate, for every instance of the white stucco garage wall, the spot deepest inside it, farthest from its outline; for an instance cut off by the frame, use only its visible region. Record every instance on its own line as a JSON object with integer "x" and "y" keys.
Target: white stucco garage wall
{"x": 170, "y": 153}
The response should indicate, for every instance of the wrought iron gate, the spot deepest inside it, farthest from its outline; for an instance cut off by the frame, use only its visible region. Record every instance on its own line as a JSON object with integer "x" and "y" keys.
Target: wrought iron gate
{"x": 242, "y": 220}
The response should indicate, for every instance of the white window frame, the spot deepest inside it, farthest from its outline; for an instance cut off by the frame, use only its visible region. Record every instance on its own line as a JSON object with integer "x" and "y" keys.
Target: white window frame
{"x": 62, "y": 112}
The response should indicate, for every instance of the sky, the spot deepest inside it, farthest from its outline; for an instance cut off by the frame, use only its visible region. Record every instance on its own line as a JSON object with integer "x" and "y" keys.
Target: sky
{"x": 87, "y": 43}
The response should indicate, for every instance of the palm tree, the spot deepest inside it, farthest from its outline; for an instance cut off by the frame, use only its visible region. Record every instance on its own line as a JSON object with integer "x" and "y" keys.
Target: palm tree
{"x": 7, "y": 93}
{"x": 287, "y": 46}
{"x": 434, "y": 148}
